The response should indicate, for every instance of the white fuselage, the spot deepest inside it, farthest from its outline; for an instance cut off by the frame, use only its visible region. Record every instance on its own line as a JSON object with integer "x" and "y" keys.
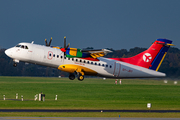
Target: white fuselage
{"x": 53, "y": 57}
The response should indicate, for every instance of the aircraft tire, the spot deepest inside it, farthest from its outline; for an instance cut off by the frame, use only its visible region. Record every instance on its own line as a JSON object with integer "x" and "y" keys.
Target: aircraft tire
{"x": 80, "y": 77}
{"x": 14, "y": 64}
{"x": 71, "y": 76}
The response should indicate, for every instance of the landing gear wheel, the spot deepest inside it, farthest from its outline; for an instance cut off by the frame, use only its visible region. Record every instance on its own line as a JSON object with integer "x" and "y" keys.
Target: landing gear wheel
{"x": 80, "y": 77}
{"x": 71, "y": 76}
{"x": 14, "y": 64}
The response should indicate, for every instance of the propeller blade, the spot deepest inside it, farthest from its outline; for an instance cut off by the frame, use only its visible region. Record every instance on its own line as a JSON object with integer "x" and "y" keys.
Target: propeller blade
{"x": 64, "y": 45}
{"x": 46, "y": 42}
{"x": 50, "y": 41}
{"x": 64, "y": 41}
{"x": 67, "y": 46}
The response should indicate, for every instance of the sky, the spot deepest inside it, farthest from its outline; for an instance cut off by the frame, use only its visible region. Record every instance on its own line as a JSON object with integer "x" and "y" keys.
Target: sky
{"x": 117, "y": 24}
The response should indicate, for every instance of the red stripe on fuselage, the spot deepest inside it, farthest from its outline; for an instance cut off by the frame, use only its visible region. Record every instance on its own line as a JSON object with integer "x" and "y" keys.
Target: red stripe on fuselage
{"x": 91, "y": 59}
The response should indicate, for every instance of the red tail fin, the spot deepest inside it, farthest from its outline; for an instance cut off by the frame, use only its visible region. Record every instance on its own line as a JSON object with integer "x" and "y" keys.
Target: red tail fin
{"x": 152, "y": 57}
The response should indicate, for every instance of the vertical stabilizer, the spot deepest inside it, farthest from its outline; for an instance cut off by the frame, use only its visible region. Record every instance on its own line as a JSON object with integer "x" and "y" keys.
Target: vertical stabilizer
{"x": 152, "y": 57}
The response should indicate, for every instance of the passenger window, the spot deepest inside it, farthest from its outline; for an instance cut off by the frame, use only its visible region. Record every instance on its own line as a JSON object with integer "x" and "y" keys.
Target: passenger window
{"x": 91, "y": 62}
{"x": 99, "y": 64}
{"x": 61, "y": 56}
{"x": 76, "y": 59}
{"x": 84, "y": 61}
{"x": 68, "y": 58}
{"x": 110, "y": 66}
{"x": 103, "y": 65}
{"x": 57, "y": 56}
{"x": 106, "y": 65}
{"x": 72, "y": 59}
{"x": 87, "y": 62}
{"x": 80, "y": 60}
{"x": 64, "y": 57}
{"x": 54, "y": 55}
{"x": 95, "y": 63}
{"x": 49, "y": 54}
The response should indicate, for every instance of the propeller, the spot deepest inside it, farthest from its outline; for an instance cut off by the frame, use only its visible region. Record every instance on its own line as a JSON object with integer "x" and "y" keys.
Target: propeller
{"x": 65, "y": 47}
{"x": 49, "y": 42}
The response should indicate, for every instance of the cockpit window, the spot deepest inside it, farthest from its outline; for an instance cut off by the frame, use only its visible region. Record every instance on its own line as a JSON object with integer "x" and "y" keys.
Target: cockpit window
{"x": 22, "y": 46}
{"x": 18, "y": 45}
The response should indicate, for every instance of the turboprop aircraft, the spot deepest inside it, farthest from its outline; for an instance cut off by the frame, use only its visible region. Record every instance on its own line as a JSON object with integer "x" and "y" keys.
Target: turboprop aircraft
{"x": 91, "y": 62}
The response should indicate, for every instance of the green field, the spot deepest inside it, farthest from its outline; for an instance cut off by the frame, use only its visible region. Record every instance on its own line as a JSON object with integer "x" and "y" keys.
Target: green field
{"x": 132, "y": 94}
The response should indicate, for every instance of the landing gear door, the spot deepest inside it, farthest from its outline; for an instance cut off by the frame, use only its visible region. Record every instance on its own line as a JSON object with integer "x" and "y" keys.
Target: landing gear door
{"x": 117, "y": 69}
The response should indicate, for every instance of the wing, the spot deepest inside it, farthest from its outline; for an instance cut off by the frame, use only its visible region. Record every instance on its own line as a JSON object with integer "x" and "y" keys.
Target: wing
{"x": 95, "y": 53}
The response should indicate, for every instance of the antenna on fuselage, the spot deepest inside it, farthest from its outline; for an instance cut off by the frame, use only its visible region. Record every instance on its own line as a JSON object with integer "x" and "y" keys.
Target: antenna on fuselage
{"x": 32, "y": 42}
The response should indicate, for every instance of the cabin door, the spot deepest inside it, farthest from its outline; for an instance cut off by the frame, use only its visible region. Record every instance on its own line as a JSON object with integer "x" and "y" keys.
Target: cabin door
{"x": 117, "y": 69}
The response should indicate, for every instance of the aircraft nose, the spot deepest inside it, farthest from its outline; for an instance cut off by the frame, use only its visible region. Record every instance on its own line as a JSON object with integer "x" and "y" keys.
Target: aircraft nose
{"x": 8, "y": 52}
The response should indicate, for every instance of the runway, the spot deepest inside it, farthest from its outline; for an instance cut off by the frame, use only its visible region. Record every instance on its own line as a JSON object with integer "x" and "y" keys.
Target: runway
{"x": 80, "y": 118}
{"x": 53, "y": 110}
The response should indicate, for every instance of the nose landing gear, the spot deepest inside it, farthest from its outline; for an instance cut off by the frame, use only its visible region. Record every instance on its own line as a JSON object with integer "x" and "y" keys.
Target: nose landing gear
{"x": 14, "y": 64}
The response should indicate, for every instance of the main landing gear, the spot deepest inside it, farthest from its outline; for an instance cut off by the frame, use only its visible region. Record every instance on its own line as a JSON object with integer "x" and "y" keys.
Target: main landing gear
{"x": 80, "y": 76}
{"x": 71, "y": 76}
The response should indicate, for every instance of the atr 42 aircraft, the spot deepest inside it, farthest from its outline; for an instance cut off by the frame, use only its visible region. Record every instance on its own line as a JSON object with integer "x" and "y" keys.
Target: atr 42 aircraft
{"x": 91, "y": 62}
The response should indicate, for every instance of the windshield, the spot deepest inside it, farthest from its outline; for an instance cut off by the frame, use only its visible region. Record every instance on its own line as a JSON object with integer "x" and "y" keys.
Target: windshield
{"x": 18, "y": 45}
{"x": 22, "y": 46}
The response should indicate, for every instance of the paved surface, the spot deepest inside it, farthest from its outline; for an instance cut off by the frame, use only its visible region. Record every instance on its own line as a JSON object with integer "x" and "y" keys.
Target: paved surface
{"x": 52, "y": 110}
{"x": 80, "y": 118}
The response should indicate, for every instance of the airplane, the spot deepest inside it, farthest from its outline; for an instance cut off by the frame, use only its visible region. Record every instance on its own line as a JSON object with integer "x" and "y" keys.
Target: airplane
{"x": 80, "y": 62}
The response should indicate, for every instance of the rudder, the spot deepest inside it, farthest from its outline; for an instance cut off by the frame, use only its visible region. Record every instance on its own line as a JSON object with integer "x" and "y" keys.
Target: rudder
{"x": 156, "y": 63}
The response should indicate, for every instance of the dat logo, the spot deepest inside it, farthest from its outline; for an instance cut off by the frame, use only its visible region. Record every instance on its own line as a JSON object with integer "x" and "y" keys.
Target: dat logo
{"x": 147, "y": 57}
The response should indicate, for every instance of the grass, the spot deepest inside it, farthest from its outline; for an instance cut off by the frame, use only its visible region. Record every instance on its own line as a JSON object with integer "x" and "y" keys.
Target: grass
{"x": 132, "y": 94}
{"x": 90, "y": 114}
